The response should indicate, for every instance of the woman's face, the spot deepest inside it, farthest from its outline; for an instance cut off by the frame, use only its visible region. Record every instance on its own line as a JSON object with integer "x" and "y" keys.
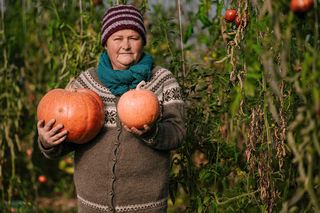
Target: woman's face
{"x": 124, "y": 48}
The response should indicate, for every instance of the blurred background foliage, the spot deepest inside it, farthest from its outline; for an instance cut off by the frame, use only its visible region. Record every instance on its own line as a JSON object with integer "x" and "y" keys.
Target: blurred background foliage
{"x": 252, "y": 94}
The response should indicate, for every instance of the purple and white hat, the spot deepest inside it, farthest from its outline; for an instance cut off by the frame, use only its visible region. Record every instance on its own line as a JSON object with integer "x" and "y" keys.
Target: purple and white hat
{"x": 122, "y": 17}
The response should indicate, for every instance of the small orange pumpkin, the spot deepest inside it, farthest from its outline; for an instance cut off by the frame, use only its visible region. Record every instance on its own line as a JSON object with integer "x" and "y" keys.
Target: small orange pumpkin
{"x": 137, "y": 108}
{"x": 81, "y": 111}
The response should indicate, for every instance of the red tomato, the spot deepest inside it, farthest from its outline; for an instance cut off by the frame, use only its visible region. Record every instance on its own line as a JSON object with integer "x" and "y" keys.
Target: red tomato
{"x": 42, "y": 179}
{"x": 301, "y": 6}
{"x": 310, "y": 3}
{"x": 29, "y": 152}
{"x": 31, "y": 97}
{"x": 96, "y": 2}
{"x": 237, "y": 21}
{"x": 230, "y": 15}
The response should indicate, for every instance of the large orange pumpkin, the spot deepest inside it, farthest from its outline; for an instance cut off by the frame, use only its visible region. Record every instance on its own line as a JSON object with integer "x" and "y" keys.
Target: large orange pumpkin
{"x": 81, "y": 111}
{"x": 138, "y": 107}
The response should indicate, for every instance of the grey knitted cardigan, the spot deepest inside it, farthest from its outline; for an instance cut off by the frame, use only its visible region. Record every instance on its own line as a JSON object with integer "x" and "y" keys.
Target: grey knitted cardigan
{"x": 118, "y": 171}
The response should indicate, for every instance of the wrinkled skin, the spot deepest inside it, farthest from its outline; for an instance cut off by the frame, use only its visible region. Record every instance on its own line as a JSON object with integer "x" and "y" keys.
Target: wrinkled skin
{"x": 50, "y": 136}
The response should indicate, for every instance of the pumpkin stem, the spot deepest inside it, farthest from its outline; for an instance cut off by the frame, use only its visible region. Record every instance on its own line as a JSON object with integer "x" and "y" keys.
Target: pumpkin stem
{"x": 69, "y": 85}
{"x": 71, "y": 89}
{"x": 140, "y": 85}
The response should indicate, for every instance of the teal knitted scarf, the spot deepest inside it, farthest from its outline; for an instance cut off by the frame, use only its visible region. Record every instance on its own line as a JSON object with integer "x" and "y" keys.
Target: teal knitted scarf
{"x": 120, "y": 81}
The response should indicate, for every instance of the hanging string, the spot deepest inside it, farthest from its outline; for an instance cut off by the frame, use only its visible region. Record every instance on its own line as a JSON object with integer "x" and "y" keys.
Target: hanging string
{"x": 81, "y": 18}
{"x": 181, "y": 40}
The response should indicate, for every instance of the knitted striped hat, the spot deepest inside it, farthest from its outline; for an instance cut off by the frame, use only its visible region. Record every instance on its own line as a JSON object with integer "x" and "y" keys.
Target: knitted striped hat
{"x": 122, "y": 17}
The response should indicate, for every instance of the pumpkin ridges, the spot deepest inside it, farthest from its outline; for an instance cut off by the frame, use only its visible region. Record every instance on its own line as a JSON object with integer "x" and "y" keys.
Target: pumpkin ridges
{"x": 50, "y": 108}
{"x": 95, "y": 95}
{"x": 61, "y": 119}
{"x": 87, "y": 121}
{"x": 67, "y": 120}
{"x": 97, "y": 102}
{"x": 85, "y": 127}
{"x": 79, "y": 133}
{"x": 66, "y": 111}
{"x": 55, "y": 111}
{"x": 93, "y": 117}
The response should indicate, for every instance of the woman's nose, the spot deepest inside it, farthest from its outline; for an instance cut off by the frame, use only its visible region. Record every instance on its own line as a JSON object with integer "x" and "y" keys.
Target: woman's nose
{"x": 126, "y": 44}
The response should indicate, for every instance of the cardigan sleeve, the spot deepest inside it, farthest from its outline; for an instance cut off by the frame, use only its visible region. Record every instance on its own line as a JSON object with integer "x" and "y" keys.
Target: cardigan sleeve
{"x": 169, "y": 131}
{"x": 57, "y": 151}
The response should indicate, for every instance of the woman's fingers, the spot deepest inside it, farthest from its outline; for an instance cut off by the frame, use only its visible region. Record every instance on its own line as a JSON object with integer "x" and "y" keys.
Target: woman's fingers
{"x": 40, "y": 124}
{"x": 55, "y": 135}
{"x": 51, "y": 135}
{"x": 126, "y": 127}
{"x": 54, "y": 141}
{"x": 55, "y": 129}
{"x": 59, "y": 135}
{"x": 48, "y": 126}
{"x": 136, "y": 131}
{"x": 59, "y": 138}
{"x": 146, "y": 128}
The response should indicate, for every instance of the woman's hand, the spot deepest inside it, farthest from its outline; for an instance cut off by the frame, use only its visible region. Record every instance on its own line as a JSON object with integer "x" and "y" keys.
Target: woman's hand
{"x": 136, "y": 131}
{"x": 50, "y": 136}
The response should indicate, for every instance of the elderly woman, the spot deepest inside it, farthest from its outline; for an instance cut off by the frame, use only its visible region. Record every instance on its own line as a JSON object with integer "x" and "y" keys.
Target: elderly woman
{"x": 123, "y": 170}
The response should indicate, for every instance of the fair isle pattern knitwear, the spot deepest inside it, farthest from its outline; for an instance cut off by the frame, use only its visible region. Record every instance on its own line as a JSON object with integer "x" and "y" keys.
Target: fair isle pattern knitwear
{"x": 168, "y": 93}
{"x": 128, "y": 208}
{"x": 122, "y": 17}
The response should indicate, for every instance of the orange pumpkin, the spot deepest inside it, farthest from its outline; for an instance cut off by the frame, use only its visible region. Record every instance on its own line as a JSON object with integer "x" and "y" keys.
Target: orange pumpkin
{"x": 81, "y": 111}
{"x": 138, "y": 107}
